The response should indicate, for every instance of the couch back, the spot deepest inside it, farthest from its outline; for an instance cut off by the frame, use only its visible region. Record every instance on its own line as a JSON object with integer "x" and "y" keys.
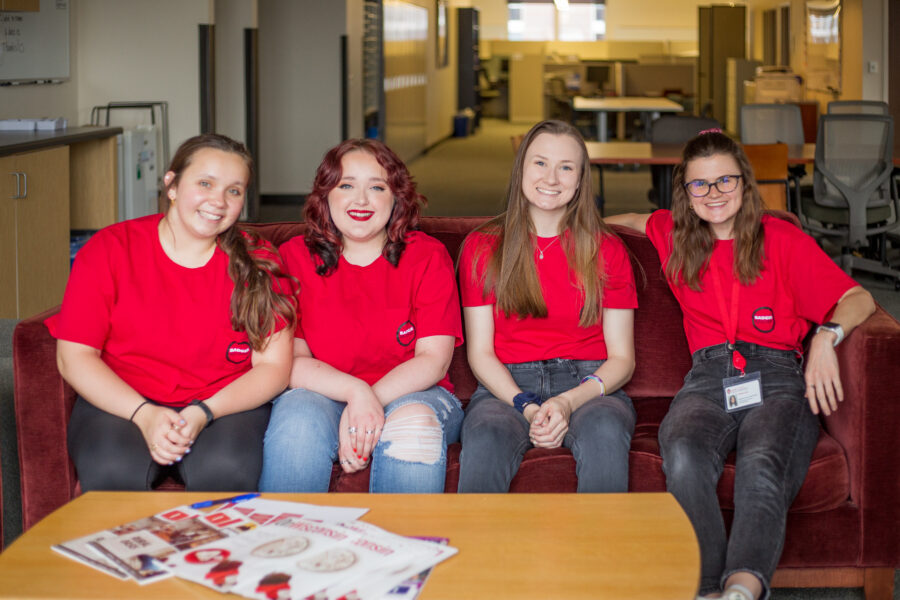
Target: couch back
{"x": 661, "y": 350}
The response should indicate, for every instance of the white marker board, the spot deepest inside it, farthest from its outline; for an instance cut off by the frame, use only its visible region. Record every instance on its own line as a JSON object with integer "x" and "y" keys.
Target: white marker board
{"x": 34, "y": 46}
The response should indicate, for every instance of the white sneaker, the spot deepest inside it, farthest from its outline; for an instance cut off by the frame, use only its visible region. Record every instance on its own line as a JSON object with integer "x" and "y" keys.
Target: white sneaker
{"x": 737, "y": 592}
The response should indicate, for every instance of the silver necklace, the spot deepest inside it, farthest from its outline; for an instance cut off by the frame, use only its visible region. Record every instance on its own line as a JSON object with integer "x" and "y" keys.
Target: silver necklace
{"x": 541, "y": 250}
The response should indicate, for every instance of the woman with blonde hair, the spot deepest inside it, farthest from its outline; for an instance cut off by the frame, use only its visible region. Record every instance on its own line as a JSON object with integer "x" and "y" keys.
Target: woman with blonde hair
{"x": 749, "y": 286}
{"x": 548, "y": 298}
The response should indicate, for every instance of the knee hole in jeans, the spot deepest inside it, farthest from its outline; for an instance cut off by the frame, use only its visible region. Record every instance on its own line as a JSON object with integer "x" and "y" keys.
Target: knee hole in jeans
{"x": 413, "y": 434}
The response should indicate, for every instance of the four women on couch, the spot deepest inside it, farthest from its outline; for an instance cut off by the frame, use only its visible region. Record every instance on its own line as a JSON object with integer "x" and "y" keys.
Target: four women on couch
{"x": 181, "y": 324}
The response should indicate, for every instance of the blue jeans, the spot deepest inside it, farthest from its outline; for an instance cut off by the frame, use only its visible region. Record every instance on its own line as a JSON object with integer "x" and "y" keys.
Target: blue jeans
{"x": 302, "y": 441}
{"x": 773, "y": 443}
{"x": 495, "y": 435}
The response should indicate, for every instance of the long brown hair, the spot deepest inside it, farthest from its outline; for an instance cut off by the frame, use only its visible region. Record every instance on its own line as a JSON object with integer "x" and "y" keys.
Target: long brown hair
{"x": 511, "y": 272}
{"x": 263, "y": 294}
{"x": 322, "y": 237}
{"x": 693, "y": 239}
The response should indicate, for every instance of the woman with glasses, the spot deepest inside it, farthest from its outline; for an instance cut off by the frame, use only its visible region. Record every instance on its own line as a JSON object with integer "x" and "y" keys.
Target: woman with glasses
{"x": 749, "y": 285}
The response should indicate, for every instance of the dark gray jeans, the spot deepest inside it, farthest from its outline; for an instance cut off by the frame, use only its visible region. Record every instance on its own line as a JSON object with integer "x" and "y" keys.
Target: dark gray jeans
{"x": 495, "y": 435}
{"x": 773, "y": 444}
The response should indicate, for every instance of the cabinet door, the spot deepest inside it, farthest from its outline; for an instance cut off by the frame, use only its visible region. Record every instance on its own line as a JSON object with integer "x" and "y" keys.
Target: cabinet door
{"x": 42, "y": 219}
{"x": 28, "y": 5}
{"x": 8, "y": 293}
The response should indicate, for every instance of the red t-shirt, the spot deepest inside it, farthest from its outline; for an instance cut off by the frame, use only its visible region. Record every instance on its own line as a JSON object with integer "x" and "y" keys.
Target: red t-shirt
{"x": 558, "y": 335}
{"x": 365, "y": 320}
{"x": 163, "y": 328}
{"x": 798, "y": 285}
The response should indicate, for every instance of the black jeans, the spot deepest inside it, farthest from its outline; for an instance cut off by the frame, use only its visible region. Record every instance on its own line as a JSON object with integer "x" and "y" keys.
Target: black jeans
{"x": 773, "y": 444}
{"x": 495, "y": 435}
{"x": 110, "y": 453}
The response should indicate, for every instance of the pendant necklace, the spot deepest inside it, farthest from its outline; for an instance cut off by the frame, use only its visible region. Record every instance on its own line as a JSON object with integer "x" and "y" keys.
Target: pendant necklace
{"x": 541, "y": 250}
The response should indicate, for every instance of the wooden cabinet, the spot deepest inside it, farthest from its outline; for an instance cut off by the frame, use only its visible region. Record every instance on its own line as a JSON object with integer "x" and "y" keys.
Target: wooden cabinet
{"x": 27, "y": 5}
{"x": 34, "y": 231}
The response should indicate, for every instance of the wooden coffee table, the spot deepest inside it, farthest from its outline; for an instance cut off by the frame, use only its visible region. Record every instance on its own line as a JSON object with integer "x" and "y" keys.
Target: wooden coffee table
{"x": 518, "y": 546}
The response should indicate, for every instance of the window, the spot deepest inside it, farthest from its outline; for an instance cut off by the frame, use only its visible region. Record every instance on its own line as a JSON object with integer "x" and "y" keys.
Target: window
{"x": 542, "y": 21}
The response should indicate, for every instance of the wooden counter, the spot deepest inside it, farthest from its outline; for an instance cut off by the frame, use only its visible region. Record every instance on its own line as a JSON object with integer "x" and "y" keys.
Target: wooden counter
{"x": 50, "y": 182}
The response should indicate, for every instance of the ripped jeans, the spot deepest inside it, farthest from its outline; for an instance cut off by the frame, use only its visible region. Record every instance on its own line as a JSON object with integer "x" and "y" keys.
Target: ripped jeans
{"x": 301, "y": 444}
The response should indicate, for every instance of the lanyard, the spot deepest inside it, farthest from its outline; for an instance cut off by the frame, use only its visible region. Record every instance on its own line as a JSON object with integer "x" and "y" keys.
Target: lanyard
{"x": 729, "y": 319}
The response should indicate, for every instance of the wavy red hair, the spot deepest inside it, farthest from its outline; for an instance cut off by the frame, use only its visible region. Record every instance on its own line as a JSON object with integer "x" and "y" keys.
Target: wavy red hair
{"x": 322, "y": 237}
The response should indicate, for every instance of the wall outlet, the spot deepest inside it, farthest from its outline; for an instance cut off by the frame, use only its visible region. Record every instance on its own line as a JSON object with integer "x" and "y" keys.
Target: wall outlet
{"x": 872, "y": 66}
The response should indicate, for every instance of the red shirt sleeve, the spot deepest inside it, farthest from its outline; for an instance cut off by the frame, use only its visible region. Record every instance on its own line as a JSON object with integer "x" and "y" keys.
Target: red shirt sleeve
{"x": 436, "y": 303}
{"x": 816, "y": 280}
{"x": 90, "y": 294}
{"x": 618, "y": 289}
{"x": 659, "y": 230}
{"x": 476, "y": 247}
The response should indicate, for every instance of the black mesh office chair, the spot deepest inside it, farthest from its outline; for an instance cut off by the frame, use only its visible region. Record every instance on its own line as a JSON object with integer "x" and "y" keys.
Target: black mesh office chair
{"x": 858, "y": 107}
{"x": 854, "y": 198}
{"x": 672, "y": 129}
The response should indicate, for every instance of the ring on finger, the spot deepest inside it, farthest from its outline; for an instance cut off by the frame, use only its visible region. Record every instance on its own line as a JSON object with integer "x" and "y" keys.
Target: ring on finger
{"x": 351, "y": 430}
{"x": 370, "y": 431}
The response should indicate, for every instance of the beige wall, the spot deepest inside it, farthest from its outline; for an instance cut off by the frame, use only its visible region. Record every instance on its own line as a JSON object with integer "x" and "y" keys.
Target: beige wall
{"x": 231, "y": 18}
{"x": 141, "y": 51}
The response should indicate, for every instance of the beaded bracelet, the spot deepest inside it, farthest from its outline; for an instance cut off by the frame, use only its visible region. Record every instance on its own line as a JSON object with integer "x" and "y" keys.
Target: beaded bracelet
{"x": 593, "y": 377}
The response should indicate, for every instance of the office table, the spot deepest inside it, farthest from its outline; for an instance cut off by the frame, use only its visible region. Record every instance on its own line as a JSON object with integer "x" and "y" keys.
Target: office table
{"x": 649, "y": 107}
{"x": 667, "y": 156}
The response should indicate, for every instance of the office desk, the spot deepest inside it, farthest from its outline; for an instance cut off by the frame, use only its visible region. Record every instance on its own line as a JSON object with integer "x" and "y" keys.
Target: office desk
{"x": 649, "y": 107}
{"x": 667, "y": 156}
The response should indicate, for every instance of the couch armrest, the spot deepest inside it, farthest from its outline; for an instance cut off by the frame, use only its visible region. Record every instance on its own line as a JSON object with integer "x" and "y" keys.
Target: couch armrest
{"x": 866, "y": 425}
{"x": 43, "y": 403}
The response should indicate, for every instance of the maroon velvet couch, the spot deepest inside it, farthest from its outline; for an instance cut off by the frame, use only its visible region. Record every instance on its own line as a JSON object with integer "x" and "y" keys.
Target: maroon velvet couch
{"x": 843, "y": 528}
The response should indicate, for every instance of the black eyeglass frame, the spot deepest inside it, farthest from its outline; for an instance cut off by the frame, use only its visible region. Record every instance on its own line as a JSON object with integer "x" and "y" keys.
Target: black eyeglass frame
{"x": 711, "y": 184}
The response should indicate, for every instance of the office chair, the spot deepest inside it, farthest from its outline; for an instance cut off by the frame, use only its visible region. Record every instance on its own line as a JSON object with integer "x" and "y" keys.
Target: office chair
{"x": 770, "y": 169}
{"x": 673, "y": 129}
{"x": 858, "y": 107}
{"x": 854, "y": 198}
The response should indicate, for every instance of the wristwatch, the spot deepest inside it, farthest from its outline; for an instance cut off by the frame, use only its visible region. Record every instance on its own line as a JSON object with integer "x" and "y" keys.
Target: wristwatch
{"x": 523, "y": 399}
{"x": 206, "y": 410}
{"x": 834, "y": 328}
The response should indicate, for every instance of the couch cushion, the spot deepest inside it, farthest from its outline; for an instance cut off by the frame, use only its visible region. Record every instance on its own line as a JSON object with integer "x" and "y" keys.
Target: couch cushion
{"x": 827, "y": 484}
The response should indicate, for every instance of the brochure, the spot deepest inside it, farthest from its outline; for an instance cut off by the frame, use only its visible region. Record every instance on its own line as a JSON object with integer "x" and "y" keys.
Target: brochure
{"x": 139, "y": 550}
{"x": 301, "y": 558}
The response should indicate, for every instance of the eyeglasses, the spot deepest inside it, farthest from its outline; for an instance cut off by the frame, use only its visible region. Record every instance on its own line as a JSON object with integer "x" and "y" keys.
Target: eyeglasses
{"x": 699, "y": 188}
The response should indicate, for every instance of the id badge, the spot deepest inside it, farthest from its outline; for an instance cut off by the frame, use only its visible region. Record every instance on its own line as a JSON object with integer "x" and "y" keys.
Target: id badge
{"x": 742, "y": 392}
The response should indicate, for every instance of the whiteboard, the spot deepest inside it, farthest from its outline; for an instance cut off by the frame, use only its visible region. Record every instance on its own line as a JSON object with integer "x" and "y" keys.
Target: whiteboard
{"x": 34, "y": 46}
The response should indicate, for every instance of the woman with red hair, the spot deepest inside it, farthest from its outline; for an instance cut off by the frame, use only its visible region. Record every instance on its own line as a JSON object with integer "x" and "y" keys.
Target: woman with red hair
{"x": 378, "y": 320}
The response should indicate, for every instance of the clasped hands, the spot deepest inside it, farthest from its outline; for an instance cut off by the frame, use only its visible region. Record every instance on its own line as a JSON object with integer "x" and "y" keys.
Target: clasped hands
{"x": 360, "y": 429}
{"x": 549, "y": 422}
{"x": 169, "y": 433}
